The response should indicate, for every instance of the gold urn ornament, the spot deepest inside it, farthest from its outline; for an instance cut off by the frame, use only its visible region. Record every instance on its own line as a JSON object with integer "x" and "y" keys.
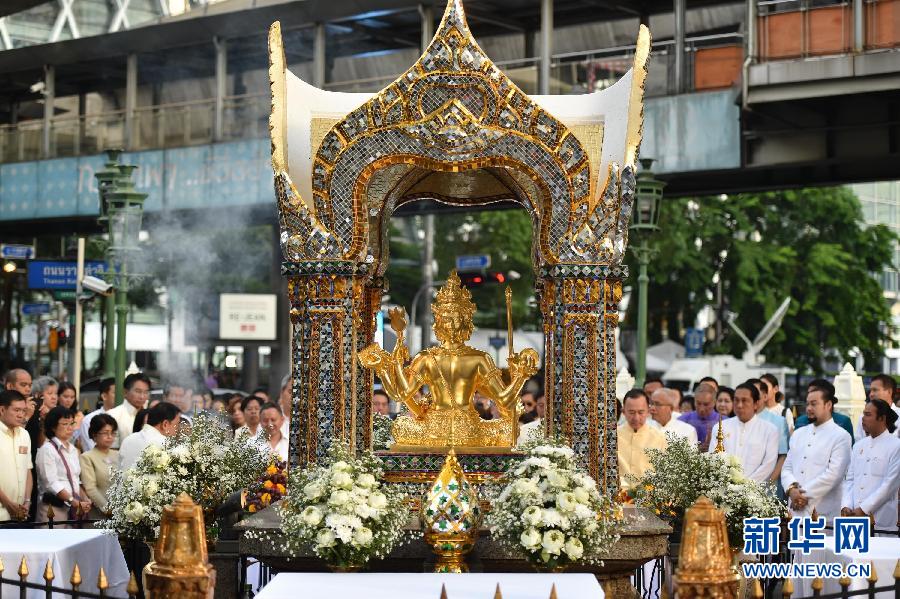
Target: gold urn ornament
{"x": 705, "y": 565}
{"x": 451, "y": 516}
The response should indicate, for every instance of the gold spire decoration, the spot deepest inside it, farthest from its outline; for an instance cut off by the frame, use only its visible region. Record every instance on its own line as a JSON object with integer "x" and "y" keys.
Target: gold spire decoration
{"x": 705, "y": 567}
{"x": 75, "y": 581}
{"x": 844, "y": 581}
{"x": 787, "y": 589}
{"x": 181, "y": 569}
{"x": 497, "y": 593}
{"x": 443, "y": 591}
{"x": 132, "y": 588}
{"x": 23, "y": 568}
{"x": 102, "y": 582}
{"x": 817, "y": 584}
{"x": 1, "y": 565}
{"x": 720, "y": 437}
{"x": 48, "y": 570}
{"x": 553, "y": 592}
{"x": 873, "y": 575}
{"x": 756, "y": 591}
{"x": 896, "y": 569}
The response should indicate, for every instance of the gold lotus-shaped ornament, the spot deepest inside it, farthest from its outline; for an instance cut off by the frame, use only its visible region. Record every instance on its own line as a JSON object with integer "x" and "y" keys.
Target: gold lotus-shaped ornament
{"x": 451, "y": 516}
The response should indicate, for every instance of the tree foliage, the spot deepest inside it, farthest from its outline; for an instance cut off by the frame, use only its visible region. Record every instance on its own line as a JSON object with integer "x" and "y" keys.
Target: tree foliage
{"x": 809, "y": 244}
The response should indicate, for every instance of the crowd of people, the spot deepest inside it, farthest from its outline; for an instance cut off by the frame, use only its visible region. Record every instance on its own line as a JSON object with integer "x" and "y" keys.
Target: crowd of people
{"x": 53, "y": 454}
{"x": 822, "y": 463}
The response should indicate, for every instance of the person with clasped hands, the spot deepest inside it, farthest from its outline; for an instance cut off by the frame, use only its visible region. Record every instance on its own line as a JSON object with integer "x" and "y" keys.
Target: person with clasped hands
{"x": 817, "y": 459}
{"x": 59, "y": 469}
{"x": 15, "y": 457}
{"x": 871, "y": 484}
{"x": 98, "y": 463}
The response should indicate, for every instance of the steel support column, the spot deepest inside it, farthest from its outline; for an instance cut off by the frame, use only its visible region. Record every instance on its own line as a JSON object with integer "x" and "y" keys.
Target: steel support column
{"x": 319, "y": 56}
{"x": 221, "y": 47}
{"x": 546, "y": 46}
{"x": 859, "y": 25}
{"x": 131, "y": 78}
{"x": 679, "y": 45}
{"x": 49, "y": 101}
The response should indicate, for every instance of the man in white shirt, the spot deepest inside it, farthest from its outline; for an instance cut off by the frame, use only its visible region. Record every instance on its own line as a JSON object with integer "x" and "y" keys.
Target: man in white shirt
{"x": 162, "y": 422}
{"x": 817, "y": 459}
{"x": 772, "y": 403}
{"x": 870, "y": 487}
{"x": 250, "y": 406}
{"x": 108, "y": 397}
{"x": 747, "y": 436}
{"x": 271, "y": 419}
{"x": 662, "y": 406}
{"x": 883, "y": 387}
{"x": 15, "y": 457}
{"x": 137, "y": 392}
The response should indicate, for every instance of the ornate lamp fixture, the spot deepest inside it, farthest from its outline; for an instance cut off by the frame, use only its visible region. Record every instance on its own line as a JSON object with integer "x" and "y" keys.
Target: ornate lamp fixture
{"x": 644, "y": 219}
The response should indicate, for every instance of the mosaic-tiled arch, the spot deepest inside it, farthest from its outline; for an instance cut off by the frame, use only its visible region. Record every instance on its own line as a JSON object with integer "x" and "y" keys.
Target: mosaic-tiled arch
{"x": 452, "y": 110}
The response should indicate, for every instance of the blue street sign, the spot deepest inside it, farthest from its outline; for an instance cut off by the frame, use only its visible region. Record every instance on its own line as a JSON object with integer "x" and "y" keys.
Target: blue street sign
{"x": 56, "y": 274}
{"x": 34, "y": 309}
{"x": 14, "y": 251}
{"x": 497, "y": 342}
{"x": 693, "y": 343}
{"x": 475, "y": 262}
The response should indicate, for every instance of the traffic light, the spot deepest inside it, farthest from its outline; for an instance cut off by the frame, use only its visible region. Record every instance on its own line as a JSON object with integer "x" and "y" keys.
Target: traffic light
{"x": 477, "y": 279}
{"x": 61, "y": 337}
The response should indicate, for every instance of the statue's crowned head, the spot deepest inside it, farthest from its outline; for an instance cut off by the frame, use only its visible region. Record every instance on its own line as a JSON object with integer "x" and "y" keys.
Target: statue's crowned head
{"x": 453, "y": 310}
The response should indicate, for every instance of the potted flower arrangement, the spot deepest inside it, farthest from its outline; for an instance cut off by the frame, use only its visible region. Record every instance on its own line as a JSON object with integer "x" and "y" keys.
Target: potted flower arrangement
{"x": 206, "y": 463}
{"x": 272, "y": 487}
{"x": 680, "y": 474}
{"x": 342, "y": 512}
{"x": 550, "y": 510}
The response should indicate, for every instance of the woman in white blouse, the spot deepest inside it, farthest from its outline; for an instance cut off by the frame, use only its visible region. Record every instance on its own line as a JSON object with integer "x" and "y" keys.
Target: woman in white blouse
{"x": 59, "y": 469}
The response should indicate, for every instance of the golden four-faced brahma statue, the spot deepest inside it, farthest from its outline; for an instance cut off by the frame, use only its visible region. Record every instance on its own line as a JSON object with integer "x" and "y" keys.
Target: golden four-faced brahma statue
{"x": 453, "y": 372}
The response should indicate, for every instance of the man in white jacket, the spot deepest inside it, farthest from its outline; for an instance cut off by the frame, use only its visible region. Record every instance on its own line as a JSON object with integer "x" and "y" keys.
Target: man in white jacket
{"x": 817, "y": 459}
{"x": 751, "y": 439}
{"x": 870, "y": 487}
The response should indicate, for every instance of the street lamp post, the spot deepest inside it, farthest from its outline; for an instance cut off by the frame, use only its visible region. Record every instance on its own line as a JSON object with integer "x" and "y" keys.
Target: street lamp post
{"x": 106, "y": 182}
{"x": 124, "y": 212}
{"x": 644, "y": 220}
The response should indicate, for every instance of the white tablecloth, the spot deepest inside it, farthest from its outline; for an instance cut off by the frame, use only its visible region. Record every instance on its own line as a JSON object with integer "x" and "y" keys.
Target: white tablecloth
{"x": 90, "y": 549}
{"x": 428, "y": 586}
{"x": 883, "y": 554}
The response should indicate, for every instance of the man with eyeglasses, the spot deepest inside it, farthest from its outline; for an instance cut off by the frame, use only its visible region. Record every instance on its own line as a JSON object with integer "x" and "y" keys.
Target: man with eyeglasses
{"x": 137, "y": 392}
{"x": 15, "y": 457}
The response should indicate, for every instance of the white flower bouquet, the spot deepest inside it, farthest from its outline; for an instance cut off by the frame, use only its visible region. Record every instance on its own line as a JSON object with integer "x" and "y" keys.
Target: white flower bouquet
{"x": 206, "y": 463}
{"x": 342, "y": 511}
{"x": 551, "y": 511}
{"x": 680, "y": 474}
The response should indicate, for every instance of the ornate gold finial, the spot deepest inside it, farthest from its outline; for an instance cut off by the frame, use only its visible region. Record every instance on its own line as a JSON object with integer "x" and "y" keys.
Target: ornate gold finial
{"x": 181, "y": 568}
{"x": 896, "y": 569}
{"x": 443, "y": 591}
{"x": 720, "y": 437}
{"x": 817, "y": 584}
{"x": 704, "y": 568}
{"x": 48, "y": 570}
{"x": 23, "y": 568}
{"x": 451, "y": 515}
{"x": 51, "y": 513}
{"x": 102, "y": 582}
{"x": 787, "y": 589}
{"x": 75, "y": 581}
{"x": 553, "y": 591}
{"x": 453, "y": 296}
{"x": 844, "y": 581}
{"x": 497, "y": 593}
{"x": 756, "y": 592}
{"x": 873, "y": 575}
{"x": 132, "y": 588}
{"x": 1, "y": 564}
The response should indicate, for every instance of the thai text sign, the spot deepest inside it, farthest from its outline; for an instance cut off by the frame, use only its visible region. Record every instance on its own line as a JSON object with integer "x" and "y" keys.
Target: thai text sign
{"x": 58, "y": 274}
{"x": 247, "y": 317}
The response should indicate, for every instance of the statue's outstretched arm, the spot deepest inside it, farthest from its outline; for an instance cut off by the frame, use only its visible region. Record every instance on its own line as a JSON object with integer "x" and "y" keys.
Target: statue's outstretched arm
{"x": 521, "y": 366}
{"x": 400, "y": 384}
